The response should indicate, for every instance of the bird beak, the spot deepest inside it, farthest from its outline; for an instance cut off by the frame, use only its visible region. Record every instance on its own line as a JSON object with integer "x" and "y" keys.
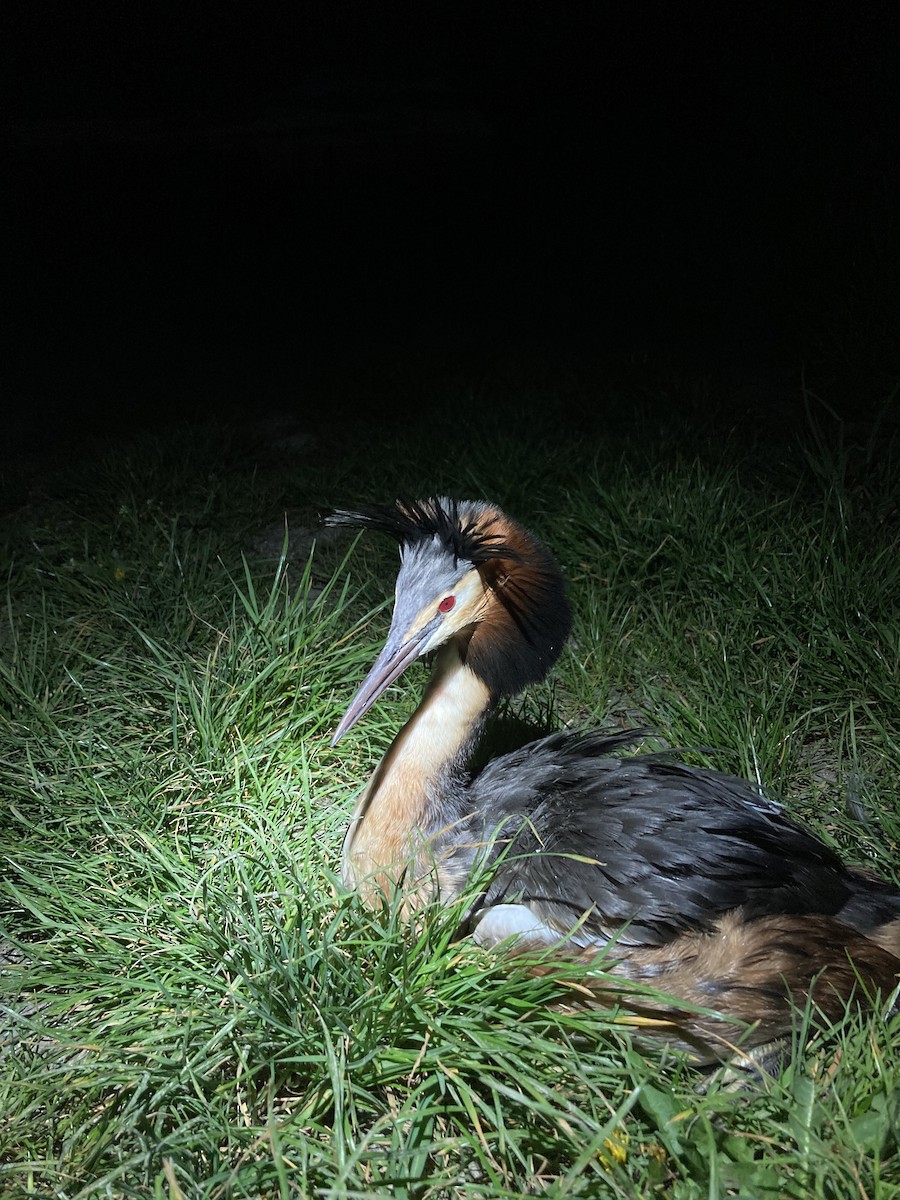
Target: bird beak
{"x": 390, "y": 665}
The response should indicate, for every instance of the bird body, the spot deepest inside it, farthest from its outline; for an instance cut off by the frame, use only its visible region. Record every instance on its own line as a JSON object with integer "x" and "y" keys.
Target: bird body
{"x": 687, "y": 880}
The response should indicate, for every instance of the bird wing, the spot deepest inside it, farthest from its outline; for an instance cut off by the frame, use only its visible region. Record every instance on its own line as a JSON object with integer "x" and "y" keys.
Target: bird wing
{"x": 640, "y": 847}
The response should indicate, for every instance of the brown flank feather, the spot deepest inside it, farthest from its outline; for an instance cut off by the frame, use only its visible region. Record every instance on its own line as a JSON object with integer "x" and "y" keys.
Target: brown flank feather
{"x": 757, "y": 972}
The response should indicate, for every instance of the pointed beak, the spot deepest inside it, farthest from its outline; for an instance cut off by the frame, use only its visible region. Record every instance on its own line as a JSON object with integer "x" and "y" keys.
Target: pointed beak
{"x": 390, "y": 665}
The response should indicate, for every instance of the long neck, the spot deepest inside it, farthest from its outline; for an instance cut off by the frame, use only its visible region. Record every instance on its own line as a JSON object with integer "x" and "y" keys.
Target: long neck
{"x": 410, "y": 801}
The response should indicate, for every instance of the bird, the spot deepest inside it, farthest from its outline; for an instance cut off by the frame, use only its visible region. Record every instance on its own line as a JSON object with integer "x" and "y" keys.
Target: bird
{"x": 678, "y": 881}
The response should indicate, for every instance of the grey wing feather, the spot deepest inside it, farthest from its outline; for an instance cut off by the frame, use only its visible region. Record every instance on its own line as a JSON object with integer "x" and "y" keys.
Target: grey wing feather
{"x": 660, "y": 848}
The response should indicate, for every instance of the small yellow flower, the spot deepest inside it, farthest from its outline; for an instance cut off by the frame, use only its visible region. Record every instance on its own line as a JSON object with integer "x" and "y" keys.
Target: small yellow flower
{"x": 119, "y": 574}
{"x": 616, "y": 1148}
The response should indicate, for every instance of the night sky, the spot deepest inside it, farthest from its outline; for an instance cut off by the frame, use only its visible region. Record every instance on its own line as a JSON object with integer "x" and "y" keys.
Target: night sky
{"x": 226, "y": 208}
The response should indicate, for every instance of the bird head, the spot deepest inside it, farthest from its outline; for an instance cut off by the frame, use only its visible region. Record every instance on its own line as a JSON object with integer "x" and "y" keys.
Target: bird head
{"x": 471, "y": 575}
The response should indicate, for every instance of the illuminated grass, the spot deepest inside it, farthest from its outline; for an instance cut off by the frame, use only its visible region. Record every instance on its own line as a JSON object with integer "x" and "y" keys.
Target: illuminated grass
{"x": 192, "y": 1007}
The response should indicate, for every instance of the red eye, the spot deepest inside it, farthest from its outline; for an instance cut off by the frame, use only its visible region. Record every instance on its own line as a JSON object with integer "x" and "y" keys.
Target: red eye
{"x": 446, "y": 604}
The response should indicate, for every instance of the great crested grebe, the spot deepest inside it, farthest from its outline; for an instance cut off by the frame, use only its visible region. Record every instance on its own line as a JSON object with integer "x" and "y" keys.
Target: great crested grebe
{"x": 688, "y": 879}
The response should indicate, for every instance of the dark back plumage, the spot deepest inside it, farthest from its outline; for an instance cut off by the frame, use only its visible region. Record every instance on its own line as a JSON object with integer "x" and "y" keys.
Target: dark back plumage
{"x": 672, "y": 847}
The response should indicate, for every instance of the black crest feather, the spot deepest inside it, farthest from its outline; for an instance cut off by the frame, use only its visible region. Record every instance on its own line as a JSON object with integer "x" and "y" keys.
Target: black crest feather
{"x": 455, "y": 522}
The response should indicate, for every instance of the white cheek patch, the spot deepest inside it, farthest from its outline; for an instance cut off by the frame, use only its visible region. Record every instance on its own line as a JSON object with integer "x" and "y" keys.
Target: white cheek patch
{"x": 469, "y": 595}
{"x": 470, "y": 600}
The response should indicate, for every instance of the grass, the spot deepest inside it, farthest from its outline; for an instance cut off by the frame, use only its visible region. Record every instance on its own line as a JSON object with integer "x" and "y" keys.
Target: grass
{"x": 192, "y": 1007}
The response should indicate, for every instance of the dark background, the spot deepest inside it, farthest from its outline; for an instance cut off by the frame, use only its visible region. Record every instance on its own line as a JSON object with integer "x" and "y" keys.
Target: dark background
{"x": 226, "y": 209}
